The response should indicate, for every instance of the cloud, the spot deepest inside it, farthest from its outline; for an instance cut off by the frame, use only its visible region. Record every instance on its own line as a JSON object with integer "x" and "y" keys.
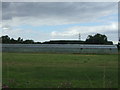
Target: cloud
{"x": 6, "y": 27}
{"x": 111, "y": 31}
{"x": 26, "y": 34}
{"x": 86, "y": 29}
{"x": 55, "y": 13}
{"x": 65, "y": 33}
{"x": 68, "y": 33}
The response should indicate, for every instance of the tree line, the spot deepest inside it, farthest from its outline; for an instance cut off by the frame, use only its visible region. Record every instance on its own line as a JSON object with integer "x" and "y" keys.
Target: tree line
{"x": 95, "y": 39}
{"x": 7, "y": 40}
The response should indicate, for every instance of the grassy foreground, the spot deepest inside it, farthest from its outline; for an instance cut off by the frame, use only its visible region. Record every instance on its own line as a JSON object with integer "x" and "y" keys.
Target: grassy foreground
{"x": 36, "y": 70}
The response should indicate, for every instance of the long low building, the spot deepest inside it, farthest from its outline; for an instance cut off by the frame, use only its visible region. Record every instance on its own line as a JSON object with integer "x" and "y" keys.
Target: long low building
{"x": 60, "y": 48}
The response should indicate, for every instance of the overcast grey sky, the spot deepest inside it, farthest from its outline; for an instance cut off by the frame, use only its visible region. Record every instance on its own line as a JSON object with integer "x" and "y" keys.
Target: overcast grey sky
{"x": 43, "y": 21}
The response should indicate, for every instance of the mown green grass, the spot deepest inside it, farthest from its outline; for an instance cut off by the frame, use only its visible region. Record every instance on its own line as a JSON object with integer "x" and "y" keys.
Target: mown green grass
{"x": 36, "y": 70}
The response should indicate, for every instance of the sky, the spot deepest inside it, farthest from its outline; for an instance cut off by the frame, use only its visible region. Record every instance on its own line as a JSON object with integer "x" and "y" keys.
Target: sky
{"x": 44, "y": 21}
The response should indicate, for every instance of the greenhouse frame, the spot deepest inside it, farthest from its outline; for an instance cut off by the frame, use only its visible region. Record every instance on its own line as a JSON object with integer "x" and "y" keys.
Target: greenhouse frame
{"x": 60, "y": 48}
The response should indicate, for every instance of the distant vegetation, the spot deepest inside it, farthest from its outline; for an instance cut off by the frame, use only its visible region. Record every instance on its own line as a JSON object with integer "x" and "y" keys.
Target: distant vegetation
{"x": 96, "y": 39}
{"x": 7, "y": 40}
{"x": 118, "y": 45}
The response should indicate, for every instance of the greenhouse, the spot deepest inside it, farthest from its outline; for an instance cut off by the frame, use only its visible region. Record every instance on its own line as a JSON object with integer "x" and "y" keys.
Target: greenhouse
{"x": 60, "y": 48}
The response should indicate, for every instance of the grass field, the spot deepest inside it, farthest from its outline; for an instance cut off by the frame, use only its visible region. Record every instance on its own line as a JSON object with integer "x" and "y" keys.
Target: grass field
{"x": 36, "y": 70}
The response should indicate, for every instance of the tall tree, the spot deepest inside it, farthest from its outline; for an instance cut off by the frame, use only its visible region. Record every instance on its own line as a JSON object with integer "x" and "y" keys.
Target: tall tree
{"x": 118, "y": 44}
{"x": 97, "y": 39}
{"x": 13, "y": 41}
{"x": 20, "y": 40}
{"x": 5, "y": 39}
